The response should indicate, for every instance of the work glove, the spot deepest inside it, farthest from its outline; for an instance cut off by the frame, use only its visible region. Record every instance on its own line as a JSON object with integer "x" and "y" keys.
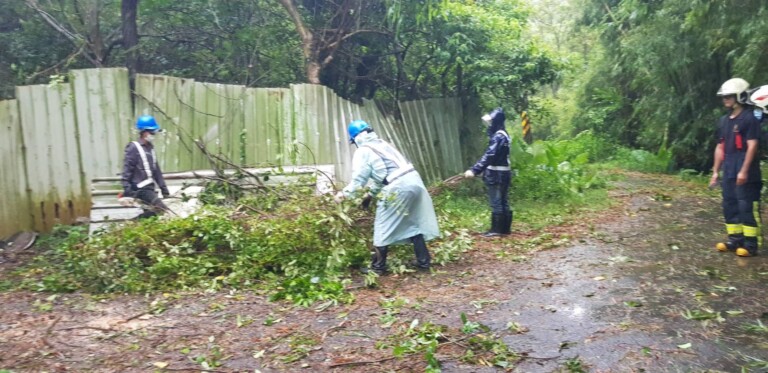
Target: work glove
{"x": 338, "y": 197}
{"x": 469, "y": 174}
{"x": 366, "y": 204}
{"x": 165, "y": 192}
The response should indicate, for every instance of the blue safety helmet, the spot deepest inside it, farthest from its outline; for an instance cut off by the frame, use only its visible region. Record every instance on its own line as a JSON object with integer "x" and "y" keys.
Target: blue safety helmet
{"x": 147, "y": 123}
{"x": 355, "y": 128}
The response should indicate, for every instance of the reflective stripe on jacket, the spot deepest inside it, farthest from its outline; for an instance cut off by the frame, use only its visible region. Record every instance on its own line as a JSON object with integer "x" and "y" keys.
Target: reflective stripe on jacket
{"x": 140, "y": 168}
{"x": 496, "y": 157}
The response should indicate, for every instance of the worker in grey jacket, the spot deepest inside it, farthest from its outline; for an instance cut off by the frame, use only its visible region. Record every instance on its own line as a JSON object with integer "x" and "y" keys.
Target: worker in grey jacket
{"x": 141, "y": 173}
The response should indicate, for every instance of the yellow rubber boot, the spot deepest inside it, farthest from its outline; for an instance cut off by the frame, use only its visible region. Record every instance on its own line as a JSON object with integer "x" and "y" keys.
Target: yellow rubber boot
{"x": 743, "y": 252}
{"x": 751, "y": 242}
{"x": 731, "y": 245}
{"x": 735, "y": 238}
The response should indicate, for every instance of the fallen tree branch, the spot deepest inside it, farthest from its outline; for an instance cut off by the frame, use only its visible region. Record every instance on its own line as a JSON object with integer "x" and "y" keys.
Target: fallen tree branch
{"x": 50, "y": 327}
{"x": 451, "y": 181}
{"x": 66, "y": 60}
{"x": 48, "y": 330}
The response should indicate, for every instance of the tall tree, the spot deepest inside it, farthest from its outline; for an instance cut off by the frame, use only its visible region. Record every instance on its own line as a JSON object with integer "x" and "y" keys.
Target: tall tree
{"x": 130, "y": 40}
{"x": 334, "y": 23}
{"x": 81, "y": 24}
{"x": 655, "y": 84}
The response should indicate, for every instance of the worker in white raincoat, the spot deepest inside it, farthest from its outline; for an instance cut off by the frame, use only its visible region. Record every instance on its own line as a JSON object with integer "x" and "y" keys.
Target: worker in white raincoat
{"x": 404, "y": 211}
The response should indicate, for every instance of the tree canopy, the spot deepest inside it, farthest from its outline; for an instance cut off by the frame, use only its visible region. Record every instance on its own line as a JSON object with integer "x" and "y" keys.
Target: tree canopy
{"x": 653, "y": 81}
{"x": 384, "y": 49}
{"x": 639, "y": 73}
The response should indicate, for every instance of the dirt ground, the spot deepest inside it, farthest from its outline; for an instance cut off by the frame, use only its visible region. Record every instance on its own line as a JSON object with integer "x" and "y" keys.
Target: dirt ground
{"x": 638, "y": 288}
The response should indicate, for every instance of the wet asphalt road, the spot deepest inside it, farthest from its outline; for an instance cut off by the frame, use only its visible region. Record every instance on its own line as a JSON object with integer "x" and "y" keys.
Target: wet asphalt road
{"x": 627, "y": 299}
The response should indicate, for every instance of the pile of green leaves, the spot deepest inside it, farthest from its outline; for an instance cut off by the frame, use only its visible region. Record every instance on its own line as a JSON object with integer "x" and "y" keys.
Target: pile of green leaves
{"x": 304, "y": 235}
{"x": 299, "y": 245}
{"x": 481, "y": 347}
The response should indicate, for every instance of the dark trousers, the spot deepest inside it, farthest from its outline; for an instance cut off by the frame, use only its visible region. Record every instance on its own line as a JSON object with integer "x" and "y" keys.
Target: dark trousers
{"x": 151, "y": 204}
{"x": 741, "y": 205}
{"x": 497, "y": 183}
{"x": 739, "y": 202}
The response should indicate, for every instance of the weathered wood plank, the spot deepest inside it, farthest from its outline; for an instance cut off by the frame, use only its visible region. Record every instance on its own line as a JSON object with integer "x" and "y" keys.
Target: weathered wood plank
{"x": 14, "y": 205}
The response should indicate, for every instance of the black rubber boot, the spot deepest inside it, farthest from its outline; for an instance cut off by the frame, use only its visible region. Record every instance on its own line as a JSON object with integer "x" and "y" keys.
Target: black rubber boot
{"x": 378, "y": 260}
{"x": 506, "y": 226}
{"x": 423, "y": 260}
{"x": 146, "y": 214}
{"x": 734, "y": 242}
{"x": 497, "y": 220}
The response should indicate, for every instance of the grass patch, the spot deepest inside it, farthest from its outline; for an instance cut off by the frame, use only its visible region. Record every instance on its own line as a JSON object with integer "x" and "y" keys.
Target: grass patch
{"x": 466, "y": 207}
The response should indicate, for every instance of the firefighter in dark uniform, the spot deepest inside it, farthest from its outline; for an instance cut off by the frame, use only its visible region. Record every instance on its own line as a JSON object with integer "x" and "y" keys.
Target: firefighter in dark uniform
{"x": 141, "y": 173}
{"x": 738, "y": 136}
{"x": 494, "y": 165}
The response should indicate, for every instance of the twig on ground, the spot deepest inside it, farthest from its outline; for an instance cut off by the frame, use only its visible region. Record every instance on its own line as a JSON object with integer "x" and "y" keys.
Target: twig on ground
{"x": 365, "y": 362}
{"x": 86, "y": 327}
{"x": 48, "y": 332}
{"x": 50, "y": 327}
{"x": 133, "y": 317}
{"x": 325, "y": 334}
{"x": 198, "y": 369}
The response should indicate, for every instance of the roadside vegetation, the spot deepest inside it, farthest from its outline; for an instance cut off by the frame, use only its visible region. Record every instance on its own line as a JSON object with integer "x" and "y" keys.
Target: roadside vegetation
{"x": 302, "y": 250}
{"x": 305, "y": 247}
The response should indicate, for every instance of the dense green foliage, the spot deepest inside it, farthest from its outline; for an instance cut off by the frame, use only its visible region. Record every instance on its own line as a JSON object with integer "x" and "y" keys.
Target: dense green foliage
{"x": 640, "y": 74}
{"x": 384, "y": 49}
{"x": 214, "y": 247}
{"x": 302, "y": 246}
{"x": 650, "y": 75}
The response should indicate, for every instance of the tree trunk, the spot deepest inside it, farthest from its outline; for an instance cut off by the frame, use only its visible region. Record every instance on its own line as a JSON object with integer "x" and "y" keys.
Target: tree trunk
{"x": 313, "y": 71}
{"x": 128, "y": 13}
{"x": 311, "y": 55}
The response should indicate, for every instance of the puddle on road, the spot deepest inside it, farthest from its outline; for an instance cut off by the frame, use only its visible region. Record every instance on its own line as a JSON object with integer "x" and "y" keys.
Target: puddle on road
{"x": 661, "y": 299}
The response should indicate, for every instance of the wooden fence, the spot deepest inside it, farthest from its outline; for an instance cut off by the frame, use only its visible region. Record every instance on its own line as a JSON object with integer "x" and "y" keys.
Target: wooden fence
{"x": 57, "y": 138}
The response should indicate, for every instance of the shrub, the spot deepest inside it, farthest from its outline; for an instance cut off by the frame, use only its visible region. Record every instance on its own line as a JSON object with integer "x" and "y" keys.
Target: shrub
{"x": 643, "y": 160}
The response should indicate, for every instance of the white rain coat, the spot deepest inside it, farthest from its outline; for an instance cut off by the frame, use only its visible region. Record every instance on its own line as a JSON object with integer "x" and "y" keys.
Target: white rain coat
{"x": 404, "y": 208}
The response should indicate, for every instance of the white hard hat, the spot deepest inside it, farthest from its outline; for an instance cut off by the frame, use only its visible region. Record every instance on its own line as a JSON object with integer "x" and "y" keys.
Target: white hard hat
{"x": 760, "y": 97}
{"x": 735, "y": 86}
